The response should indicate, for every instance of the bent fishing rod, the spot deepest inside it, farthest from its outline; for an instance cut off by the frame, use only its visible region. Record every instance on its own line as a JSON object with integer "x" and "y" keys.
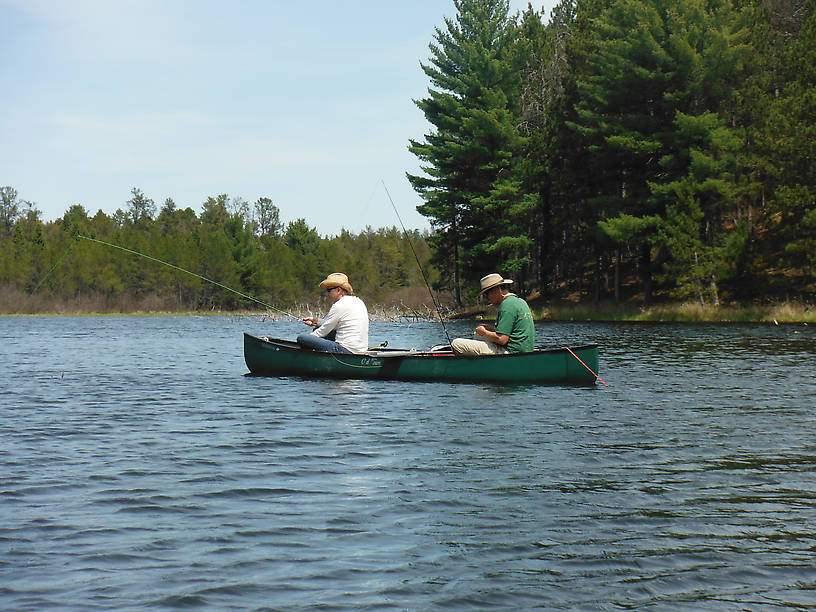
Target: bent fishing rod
{"x": 175, "y": 267}
{"x": 436, "y": 304}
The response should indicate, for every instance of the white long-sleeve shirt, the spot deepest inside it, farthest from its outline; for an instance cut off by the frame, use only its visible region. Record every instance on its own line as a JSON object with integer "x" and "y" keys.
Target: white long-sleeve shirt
{"x": 349, "y": 316}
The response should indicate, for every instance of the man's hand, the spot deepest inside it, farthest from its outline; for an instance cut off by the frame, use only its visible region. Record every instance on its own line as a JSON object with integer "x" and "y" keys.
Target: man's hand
{"x": 500, "y": 339}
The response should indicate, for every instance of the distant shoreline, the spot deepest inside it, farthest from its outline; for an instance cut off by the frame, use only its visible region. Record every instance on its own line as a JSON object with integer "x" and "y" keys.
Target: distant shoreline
{"x": 785, "y": 312}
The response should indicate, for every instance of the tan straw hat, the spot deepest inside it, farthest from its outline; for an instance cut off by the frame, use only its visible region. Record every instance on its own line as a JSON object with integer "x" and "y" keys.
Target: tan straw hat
{"x": 493, "y": 280}
{"x": 337, "y": 279}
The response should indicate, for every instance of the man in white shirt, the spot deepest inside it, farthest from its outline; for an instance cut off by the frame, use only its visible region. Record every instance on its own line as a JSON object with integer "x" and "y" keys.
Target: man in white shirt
{"x": 345, "y": 328}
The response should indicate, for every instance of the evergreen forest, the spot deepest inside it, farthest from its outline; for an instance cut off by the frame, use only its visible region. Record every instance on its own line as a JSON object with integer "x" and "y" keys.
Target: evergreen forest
{"x": 617, "y": 150}
{"x": 245, "y": 248}
{"x": 626, "y": 149}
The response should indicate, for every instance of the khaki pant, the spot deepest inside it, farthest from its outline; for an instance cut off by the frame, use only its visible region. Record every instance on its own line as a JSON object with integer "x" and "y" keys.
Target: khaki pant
{"x": 466, "y": 346}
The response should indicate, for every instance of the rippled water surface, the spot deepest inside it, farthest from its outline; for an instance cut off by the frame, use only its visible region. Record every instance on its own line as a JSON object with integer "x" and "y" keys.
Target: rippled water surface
{"x": 141, "y": 468}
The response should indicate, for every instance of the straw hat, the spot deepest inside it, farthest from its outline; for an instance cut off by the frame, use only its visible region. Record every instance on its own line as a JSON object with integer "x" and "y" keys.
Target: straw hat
{"x": 493, "y": 280}
{"x": 337, "y": 279}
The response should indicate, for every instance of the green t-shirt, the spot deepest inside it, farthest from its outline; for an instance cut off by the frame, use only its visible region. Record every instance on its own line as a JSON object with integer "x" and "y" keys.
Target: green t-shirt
{"x": 514, "y": 319}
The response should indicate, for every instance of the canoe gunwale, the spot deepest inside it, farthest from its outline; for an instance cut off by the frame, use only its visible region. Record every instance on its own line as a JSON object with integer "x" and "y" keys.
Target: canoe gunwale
{"x": 413, "y": 352}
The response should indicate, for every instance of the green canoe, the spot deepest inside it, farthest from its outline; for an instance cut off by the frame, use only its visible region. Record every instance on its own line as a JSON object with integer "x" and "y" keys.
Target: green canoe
{"x": 274, "y": 357}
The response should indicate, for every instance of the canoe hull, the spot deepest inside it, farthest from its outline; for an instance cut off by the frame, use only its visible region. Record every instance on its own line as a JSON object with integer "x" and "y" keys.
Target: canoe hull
{"x": 274, "y": 357}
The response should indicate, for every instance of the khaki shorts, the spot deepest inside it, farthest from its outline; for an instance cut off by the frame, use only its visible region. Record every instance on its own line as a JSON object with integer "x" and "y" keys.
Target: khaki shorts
{"x": 466, "y": 346}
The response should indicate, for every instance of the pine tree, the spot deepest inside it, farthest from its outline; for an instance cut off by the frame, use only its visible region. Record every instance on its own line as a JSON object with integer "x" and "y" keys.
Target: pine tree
{"x": 621, "y": 113}
{"x": 468, "y": 156}
{"x": 788, "y": 141}
{"x": 701, "y": 188}
{"x": 656, "y": 113}
{"x": 554, "y": 164}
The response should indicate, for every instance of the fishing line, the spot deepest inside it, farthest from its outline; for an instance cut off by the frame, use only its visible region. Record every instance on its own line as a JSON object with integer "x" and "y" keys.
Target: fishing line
{"x": 368, "y": 202}
{"x": 424, "y": 278}
{"x": 586, "y": 366}
{"x": 47, "y": 274}
{"x": 54, "y": 267}
{"x": 204, "y": 278}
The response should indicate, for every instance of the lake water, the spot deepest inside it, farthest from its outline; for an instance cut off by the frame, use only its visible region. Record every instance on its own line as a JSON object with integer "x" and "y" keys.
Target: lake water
{"x": 141, "y": 469}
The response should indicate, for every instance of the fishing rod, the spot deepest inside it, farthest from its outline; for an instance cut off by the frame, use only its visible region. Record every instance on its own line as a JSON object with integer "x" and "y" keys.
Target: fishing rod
{"x": 204, "y": 278}
{"x": 419, "y": 265}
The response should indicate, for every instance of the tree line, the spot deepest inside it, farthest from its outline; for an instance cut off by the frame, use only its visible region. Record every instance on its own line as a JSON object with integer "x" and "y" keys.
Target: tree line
{"x": 664, "y": 148}
{"x": 244, "y": 247}
{"x": 655, "y": 149}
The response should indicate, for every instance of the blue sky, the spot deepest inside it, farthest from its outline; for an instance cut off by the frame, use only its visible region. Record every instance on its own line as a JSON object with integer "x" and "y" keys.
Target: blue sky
{"x": 309, "y": 104}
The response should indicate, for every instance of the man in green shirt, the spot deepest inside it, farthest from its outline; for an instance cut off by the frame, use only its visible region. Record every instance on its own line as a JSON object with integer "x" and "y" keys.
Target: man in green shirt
{"x": 514, "y": 332}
